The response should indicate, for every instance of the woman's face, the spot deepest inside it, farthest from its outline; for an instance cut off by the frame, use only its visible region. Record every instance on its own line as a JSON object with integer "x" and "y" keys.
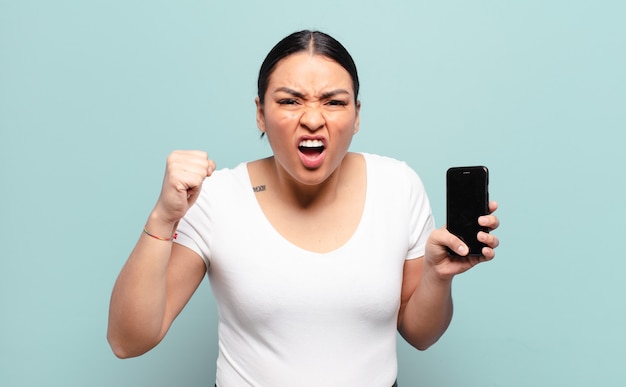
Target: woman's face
{"x": 309, "y": 116}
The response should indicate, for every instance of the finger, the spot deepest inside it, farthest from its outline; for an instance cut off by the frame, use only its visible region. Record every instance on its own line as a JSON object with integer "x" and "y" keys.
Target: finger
{"x": 195, "y": 162}
{"x": 488, "y": 254}
{"x": 205, "y": 164}
{"x": 490, "y": 221}
{"x": 488, "y": 239}
{"x": 201, "y": 159}
{"x": 199, "y": 154}
{"x": 493, "y": 206}
{"x": 442, "y": 237}
{"x": 211, "y": 168}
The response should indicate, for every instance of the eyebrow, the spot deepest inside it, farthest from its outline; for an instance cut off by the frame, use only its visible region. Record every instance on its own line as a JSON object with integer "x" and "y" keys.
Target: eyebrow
{"x": 326, "y": 95}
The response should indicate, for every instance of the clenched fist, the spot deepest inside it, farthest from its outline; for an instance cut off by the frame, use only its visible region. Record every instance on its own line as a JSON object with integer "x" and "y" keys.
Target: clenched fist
{"x": 184, "y": 173}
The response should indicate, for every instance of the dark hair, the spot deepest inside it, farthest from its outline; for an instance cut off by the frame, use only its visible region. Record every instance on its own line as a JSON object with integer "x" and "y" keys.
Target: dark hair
{"x": 317, "y": 43}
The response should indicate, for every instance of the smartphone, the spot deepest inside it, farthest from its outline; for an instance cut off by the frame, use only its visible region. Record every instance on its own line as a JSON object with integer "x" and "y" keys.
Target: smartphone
{"x": 467, "y": 198}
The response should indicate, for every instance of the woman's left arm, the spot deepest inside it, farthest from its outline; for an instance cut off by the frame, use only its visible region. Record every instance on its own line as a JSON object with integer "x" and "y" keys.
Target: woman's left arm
{"x": 426, "y": 299}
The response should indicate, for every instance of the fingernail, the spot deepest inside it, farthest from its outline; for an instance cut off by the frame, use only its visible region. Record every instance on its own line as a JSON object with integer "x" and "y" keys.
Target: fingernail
{"x": 462, "y": 250}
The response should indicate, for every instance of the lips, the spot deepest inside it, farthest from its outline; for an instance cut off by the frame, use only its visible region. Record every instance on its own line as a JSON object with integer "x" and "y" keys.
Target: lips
{"x": 311, "y": 152}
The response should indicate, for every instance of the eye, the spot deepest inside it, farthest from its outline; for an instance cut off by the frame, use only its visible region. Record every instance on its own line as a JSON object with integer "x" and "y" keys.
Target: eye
{"x": 287, "y": 101}
{"x": 336, "y": 102}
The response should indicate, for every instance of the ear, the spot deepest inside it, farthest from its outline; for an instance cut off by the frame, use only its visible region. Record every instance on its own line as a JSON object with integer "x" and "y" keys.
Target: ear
{"x": 357, "y": 120}
{"x": 260, "y": 115}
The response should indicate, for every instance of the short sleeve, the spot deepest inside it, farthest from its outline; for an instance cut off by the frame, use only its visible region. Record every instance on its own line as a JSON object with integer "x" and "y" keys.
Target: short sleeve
{"x": 195, "y": 228}
{"x": 189, "y": 237}
{"x": 421, "y": 221}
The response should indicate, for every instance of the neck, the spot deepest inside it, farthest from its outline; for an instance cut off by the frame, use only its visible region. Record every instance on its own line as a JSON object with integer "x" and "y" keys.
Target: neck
{"x": 305, "y": 196}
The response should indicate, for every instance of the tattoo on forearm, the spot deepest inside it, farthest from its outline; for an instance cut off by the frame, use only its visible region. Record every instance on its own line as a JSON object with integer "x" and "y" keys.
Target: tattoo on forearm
{"x": 258, "y": 188}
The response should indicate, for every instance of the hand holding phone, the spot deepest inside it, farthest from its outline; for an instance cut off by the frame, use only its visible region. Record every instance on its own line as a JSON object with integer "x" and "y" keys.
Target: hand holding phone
{"x": 467, "y": 198}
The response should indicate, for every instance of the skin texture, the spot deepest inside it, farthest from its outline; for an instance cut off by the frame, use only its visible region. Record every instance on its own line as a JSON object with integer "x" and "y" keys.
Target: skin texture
{"x": 308, "y": 96}
{"x": 314, "y": 199}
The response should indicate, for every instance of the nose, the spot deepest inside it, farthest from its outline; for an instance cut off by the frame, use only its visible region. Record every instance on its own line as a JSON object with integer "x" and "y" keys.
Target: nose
{"x": 312, "y": 119}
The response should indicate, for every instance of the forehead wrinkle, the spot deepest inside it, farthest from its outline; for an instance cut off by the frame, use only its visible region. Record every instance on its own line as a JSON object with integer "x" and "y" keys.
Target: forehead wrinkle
{"x": 298, "y": 94}
{"x": 289, "y": 90}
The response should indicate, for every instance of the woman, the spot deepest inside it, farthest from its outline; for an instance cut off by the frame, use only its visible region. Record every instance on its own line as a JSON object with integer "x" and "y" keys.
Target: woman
{"x": 316, "y": 255}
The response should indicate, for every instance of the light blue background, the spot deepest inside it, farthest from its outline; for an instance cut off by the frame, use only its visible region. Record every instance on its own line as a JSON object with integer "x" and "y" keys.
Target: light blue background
{"x": 95, "y": 94}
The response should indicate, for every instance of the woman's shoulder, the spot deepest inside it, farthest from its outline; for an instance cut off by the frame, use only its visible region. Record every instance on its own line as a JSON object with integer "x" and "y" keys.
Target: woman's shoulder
{"x": 385, "y": 163}
{"x": 391, "y": 171}
{"x": 227, "y": 177}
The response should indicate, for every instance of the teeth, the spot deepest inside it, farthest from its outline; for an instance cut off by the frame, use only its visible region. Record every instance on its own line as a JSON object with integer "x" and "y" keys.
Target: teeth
{"x": 311, "y": 143}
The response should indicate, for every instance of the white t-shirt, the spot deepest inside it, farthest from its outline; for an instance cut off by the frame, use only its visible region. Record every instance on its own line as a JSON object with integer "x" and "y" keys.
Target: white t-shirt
{"x": 292, "y": 317}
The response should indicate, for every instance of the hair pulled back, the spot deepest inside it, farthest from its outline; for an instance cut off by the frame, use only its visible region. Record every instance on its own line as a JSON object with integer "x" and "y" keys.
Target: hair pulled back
{"x": 315, "y": 42}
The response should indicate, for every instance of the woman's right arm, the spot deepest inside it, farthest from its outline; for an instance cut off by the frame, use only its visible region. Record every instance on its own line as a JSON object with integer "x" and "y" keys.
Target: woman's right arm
{"x": 159, "y": 276}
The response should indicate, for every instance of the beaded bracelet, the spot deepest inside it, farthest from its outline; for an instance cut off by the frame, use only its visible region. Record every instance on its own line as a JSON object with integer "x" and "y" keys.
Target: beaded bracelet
{"x": 145, "y": 230}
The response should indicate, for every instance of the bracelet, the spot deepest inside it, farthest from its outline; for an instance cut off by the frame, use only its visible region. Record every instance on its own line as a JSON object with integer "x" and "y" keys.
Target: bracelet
{"x": 145, "y": 230}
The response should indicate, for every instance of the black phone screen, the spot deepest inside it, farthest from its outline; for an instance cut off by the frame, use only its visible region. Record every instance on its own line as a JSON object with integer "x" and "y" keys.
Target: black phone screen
{"x": 467, "y": 198}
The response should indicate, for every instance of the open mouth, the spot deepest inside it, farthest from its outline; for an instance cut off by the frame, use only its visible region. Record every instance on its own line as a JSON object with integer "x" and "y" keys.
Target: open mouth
{"x": 311, "y": 147}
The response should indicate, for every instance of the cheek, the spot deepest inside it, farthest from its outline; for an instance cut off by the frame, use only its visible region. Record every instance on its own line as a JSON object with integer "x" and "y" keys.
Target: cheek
{"x": 279, "y": 130}
{"x": 276, "y": 120}
{"x": 283, "y": 120}
{"x": 345, "y": 124}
